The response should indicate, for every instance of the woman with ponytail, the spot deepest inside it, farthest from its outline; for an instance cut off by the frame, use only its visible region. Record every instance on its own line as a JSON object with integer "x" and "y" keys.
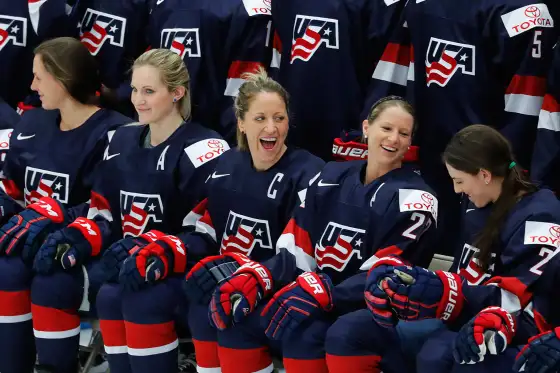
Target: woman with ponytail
{"x": 509, "y": 235}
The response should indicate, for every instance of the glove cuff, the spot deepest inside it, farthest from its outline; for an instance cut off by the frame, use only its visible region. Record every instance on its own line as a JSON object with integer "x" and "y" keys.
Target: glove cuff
{"x": 451, "y": 303}
{"x": 314, "y": 285}
{"x": 49, "y": 208}
{"x": 394, "y": 261}
{"x": 176, "y": 249}
{"x": 260, "y": 272}
{"x": 91, "y": 232}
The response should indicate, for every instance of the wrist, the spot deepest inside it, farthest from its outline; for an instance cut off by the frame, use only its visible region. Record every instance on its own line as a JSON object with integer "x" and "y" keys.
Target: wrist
{"x": 451, "y": 304}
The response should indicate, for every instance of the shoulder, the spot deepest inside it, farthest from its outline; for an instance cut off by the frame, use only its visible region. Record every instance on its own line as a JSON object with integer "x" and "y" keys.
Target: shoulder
{"x": 203, "y": 145}
{"x": 253, "y": 8}
{"x": 338, "y": 171}
{"x": 301, "y": 162}
{"x": 520, "y": 16}
{"x": 112, "y": 119}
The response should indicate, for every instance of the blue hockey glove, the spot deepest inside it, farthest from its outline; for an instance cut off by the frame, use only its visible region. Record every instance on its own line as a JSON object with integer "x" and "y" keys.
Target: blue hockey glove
{"x": 154, "y": 262}
{"x": 376, "y": 299}
{"x": 239, "y": 295}
{"x": 113, "y": 258}
{"x": 24, "y": 233}
{"x": 490, "y": 331}
{"x": 301, "y": 300}
{"x": 541, "y": 354}
{"x": 207, "y": 274}
{"x": 69, "y": 246}
{"x": 431, "y": 295}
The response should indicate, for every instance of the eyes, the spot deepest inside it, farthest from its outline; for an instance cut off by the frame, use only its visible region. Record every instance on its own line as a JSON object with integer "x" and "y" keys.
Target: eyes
{"x": 147, "y": 91}
{"x": 386, "y": 128}
{"x": 277, "y": 118}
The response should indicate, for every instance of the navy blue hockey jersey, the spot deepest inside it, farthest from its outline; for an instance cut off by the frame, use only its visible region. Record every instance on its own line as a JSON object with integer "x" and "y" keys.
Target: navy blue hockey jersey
{"x": 345, "y": 226}
{"x": 114, "y": 31}
{"x": 529, "y": 239}
{"x": 219, "y": 40}
{"x": 137, "y": 189}
{"x": 246, "y": 210}
{"x": 327, "y": 52}
{"x": 478, "y": 62}
{"x": 45, "y": 161}
{"x": 24, "y": 24}
{"x": 546, "y": 156}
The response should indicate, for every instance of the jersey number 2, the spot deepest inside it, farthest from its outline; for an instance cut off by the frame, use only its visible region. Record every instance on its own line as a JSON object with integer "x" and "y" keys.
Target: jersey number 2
{"x": 418, "y": 220}
{"x": 547, "y": 254}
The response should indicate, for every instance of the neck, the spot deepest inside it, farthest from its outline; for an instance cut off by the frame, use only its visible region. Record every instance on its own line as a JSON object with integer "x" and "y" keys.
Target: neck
{"x": 162, "y": 129}
{"x": 73, "y": 114}
{"x": 375, "y": 170}
{"x": 265, "y": 166}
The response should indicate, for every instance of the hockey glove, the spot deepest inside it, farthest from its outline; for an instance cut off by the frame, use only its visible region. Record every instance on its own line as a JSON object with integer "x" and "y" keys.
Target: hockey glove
{"x": 541, "y": 354}
{"x": 490, "y": 331}
{"x": 154, "y": 262}
{"x": 69, "y": 246}
{"x": 24, "y": 233}
{"x": 207, "y": 274}
{"x": 430, "y": 294}
{"x": 113, "y": 258}
{"x": 309, "y": 295}
{"x": 376, "y": 299}
{"x": 240, "y": 294}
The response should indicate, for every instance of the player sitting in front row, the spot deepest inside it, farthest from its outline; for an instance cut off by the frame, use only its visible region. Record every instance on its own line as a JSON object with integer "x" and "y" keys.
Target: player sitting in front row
{"x": 354, "y": 212}
{"x": 151, "y": 176}
{"x": 508, "y": 238}
{"x": 251, "y": 197}
{"x": 53, "y": 153}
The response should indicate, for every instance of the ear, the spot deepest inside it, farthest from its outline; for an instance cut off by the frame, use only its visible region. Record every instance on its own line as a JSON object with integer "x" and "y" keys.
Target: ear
{"x": 365, "y": 127}
{"x": 241, "y": 125}
{"x": 485, "y": 175}
{"x": 179, "y": 93}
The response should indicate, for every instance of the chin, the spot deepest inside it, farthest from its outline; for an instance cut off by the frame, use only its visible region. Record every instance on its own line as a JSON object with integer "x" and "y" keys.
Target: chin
{"x": 145, "y": 118}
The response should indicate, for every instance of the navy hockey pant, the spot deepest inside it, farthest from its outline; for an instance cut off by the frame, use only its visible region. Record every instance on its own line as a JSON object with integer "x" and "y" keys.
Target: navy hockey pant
{"x": 17, "y": 346}
{"x": 56, "y": 301}
{"x": 356, "y": 340}
{"x": 436, "y": 356}
{"x": 140, "y": 328}
{"x": 205, "y": 339}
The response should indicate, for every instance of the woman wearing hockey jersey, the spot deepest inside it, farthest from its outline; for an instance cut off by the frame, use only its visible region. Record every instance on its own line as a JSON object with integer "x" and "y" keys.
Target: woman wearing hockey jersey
{"x": 498, "y": 271}
{"x": 152, "y": 175}
{"x": 53, "y": 152}
{"x": 354, "y": 212}
{"x": 251, "y": 197}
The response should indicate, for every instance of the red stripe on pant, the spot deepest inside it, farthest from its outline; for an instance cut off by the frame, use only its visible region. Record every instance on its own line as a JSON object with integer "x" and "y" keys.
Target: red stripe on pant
{"x": 46, "y": 319}
{"x": 113, "y": 332}
{"x": 359, "y": 364}
{"x": 15, "y": 303}
{"x": 141, "y": 336}
{"x": 306, "y": 366}
{"x": 243, "y": 361}
{"x": 206, "y": 354}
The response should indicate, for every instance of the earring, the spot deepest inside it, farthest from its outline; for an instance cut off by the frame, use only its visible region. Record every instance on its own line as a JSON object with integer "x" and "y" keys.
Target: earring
{"x": 174, "y": 99}
{"x": 365, "y": 137}
{"x": 486, "y": 182}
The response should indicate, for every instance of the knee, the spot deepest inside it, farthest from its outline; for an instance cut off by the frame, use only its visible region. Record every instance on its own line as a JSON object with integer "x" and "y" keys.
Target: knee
{"x": 59, "y": 290}
{"x": 108, "y": 301}
{"x": 353, "y": 332}
{"x": 308, "y": 341}
{"x": 436, "y": 353}
{"x": 14, "y": 274}
{"x": 154, "y": 304}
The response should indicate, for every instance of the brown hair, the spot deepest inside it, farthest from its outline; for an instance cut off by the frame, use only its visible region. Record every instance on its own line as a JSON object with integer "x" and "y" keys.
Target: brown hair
{"x": 69, "y": 62}
{"x": 479, "y": 147}
{"x": 388, "y": 102}
{"x": 254, "y": 84}
{"x": 173, "y": 73}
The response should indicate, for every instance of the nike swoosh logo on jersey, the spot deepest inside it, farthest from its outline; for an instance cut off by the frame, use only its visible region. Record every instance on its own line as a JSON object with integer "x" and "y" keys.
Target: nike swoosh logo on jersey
{"x": 216, "y": 176}
{"x": 321, "y": 184}
{"x": 111, "y": 156}
{"x": 469, "y": 210}
{"x": 21, "y": 137}
{"x": 159, "y": 2}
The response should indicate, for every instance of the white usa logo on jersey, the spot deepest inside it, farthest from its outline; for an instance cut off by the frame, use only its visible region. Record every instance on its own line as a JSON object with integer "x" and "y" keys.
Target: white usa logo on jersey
{"x": 98, "y": 27}
{"x": 310, "y": 33}
{"x": 444, "y": 58}
{"x": 183, "y": 41}
{"x": 14, "y": 30}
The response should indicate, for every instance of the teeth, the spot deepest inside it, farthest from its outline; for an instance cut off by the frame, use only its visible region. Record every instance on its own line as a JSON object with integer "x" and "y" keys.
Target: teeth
{"x": 388, "y": 148}
{"x": 268, "y": 138}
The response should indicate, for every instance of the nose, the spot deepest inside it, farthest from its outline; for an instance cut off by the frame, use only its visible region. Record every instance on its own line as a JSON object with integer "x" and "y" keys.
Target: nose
{"x": 34, "y": 84}
{"x": 393, "y": 137}
{"x": 270, "y": 126}
{"x": 457, "y": 189}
